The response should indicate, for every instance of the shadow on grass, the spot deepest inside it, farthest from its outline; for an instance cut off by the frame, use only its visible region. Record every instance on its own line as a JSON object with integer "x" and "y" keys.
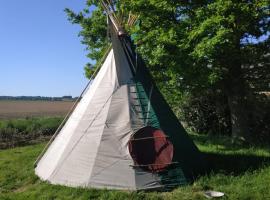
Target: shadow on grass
{"x": 226, "y": 143}
{"x": 227, "y": 157}
{"x": 236, "y": 164}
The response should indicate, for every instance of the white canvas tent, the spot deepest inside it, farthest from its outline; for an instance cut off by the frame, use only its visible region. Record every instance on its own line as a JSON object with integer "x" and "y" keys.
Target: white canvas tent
{"x": 105, "y": 141}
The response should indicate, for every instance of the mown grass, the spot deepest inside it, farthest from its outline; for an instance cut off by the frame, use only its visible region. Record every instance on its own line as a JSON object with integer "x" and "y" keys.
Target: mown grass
{"x": 242, "y": 172}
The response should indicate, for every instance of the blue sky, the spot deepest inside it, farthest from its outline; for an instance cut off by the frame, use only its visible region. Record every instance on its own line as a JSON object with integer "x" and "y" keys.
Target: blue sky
{"x": 40, "y": 51}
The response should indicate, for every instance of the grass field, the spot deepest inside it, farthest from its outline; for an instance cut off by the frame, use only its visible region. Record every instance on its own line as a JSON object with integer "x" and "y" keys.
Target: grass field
{"x": 20, "y": 109}
{"x": 240, "y": 172}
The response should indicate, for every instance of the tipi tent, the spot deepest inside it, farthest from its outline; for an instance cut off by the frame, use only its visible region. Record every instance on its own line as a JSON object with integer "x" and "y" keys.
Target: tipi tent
{"x": 122, "y": 134}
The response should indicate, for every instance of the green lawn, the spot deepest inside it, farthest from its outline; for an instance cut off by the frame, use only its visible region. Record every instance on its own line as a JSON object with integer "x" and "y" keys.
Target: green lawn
{"x": 240, "y": 172}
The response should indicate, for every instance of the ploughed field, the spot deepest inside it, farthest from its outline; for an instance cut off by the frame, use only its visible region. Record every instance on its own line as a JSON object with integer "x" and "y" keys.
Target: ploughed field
{"x": 21, "y": 109}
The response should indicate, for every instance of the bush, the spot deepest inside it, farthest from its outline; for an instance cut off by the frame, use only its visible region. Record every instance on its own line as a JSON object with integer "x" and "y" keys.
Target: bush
{"x": 259, "y": 117}
{"x": 48, "y": 126}
{"x": 206, "y": 113}
{"x": 18, "y": 132}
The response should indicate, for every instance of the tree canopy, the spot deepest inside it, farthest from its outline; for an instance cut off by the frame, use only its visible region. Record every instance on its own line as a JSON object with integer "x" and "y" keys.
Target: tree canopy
{"x": 191, "y": 45}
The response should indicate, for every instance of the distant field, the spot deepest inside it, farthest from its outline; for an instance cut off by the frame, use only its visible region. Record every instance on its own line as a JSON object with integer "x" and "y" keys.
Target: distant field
{"x": 18, "y": 109}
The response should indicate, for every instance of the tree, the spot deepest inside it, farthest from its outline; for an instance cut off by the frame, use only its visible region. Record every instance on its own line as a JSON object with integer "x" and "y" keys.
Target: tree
{"x": 93, "y": 34}
{"x": 191, "y": 45}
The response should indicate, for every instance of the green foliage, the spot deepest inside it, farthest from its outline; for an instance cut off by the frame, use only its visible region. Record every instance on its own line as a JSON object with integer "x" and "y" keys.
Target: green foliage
{"x": 198, "y": 40}
{"x": 190, "y": 47}
{"x": 241, "y": 172}
{"x": 30, "y": 125}
{"x": 93, "y": 34}
{"x": 206, "y": 114}
{"x": 16, "y": 132}
{"x": 193, "y": 44}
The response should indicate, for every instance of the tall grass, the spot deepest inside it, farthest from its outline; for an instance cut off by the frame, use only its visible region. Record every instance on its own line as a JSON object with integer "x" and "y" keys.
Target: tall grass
{"x": 17, "y": 132}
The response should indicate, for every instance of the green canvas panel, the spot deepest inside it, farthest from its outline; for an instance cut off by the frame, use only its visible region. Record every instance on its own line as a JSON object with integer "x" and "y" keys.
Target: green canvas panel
{"x": 189, "y": 160}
